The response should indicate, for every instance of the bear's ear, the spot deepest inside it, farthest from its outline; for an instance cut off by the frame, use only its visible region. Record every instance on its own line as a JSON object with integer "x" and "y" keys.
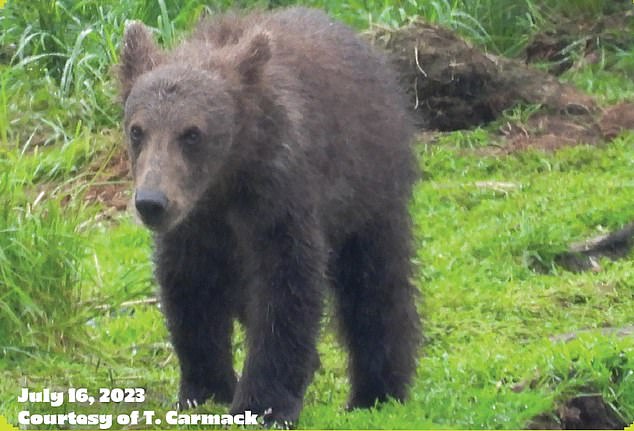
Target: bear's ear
{"x": 252, "y": 59}
{"x": 139, "y": 54}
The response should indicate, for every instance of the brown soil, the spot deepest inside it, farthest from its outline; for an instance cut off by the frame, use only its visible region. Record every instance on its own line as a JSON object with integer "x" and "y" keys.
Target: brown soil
{"x": 589, "y": 412}
{"x": 453, "y": 85}
{"x": 550, "y": 131}
{"x": 456, "y": 86}
{"x": 616, "y": 119}
{"x": 111, "y": 185}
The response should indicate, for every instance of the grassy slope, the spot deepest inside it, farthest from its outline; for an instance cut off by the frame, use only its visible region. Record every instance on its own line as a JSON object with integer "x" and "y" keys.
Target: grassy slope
{"x": 488, "y": 361}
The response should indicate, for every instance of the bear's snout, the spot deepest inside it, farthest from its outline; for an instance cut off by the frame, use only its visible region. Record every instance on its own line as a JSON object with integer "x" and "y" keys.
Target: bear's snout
{"x": 151, "y": 205}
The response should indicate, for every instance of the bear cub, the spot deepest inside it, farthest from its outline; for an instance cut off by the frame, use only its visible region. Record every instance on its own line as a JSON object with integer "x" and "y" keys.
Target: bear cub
{"x": 271, "y": 156}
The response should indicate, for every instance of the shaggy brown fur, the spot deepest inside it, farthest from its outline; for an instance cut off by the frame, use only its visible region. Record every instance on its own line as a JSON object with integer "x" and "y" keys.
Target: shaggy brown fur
{"x": 271, "y": 157}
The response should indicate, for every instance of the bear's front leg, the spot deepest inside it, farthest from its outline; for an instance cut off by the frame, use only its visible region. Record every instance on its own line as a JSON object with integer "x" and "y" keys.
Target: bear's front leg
{"x": 198, "y": 305}
{"x": 285, "y": 268}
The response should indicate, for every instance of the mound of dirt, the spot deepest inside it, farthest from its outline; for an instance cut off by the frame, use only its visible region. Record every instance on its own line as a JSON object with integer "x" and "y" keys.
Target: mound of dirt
{"x": 456, "y": 86}
{"x": 585, "y": 412}
{"x": 453, "y": 85}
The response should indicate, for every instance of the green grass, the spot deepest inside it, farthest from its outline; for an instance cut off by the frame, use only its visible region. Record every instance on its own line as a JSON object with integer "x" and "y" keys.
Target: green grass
{"x": 56, "y": 57}
{"x": 492, "y": 294}
{"x": 488, "y": 315}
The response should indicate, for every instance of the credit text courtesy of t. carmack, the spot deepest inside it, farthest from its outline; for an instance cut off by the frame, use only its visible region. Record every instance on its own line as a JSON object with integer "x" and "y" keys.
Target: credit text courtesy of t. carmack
{"x": 36, "y": 401}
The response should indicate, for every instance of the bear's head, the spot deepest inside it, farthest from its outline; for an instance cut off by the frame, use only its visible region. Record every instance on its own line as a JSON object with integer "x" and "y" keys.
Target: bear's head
{"x": 180, "y": 119}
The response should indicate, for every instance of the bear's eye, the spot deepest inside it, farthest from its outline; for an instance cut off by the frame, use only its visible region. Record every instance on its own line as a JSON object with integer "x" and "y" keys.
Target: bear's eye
{"x": 136, "y": 135}
{"x": 191, "y": 136}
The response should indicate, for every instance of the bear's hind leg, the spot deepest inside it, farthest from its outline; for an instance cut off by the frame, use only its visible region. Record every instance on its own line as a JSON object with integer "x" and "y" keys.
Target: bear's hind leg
{"x": 377, "y": 312}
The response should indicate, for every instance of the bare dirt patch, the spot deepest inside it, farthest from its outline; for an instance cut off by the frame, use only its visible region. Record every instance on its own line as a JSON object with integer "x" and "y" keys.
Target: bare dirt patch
{"x": 111, "y": 183}
{"x": 617, "y": 119}
{"x": 590, "y": 412}
{"x": 550, "y": 132}
{"x": 553, "y": 130}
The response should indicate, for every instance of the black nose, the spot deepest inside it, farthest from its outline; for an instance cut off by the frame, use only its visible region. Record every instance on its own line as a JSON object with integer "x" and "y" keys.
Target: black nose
{"x": 151, "y": 205}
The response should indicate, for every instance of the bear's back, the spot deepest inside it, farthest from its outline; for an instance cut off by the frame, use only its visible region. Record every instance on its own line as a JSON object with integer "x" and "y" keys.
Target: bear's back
{"x": 350, "y": 129}
{"x": 354, "y": 110}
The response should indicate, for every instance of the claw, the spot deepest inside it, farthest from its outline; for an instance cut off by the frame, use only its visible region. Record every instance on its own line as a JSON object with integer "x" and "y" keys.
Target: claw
{"x": 268, "y": 422}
